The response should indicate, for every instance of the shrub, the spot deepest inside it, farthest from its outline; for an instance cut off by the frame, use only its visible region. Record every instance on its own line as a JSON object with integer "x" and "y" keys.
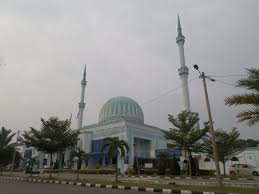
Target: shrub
{"x": 83, "y": 171}
{"x": 150, "y": 171}
{"x": 174, "y": 166}
{"x": 207, "y": 172}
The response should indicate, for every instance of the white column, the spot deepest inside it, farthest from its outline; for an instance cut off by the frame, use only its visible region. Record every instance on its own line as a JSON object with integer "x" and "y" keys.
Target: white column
{"x": 81, "y": 105}
{"x": 183, "y": 73}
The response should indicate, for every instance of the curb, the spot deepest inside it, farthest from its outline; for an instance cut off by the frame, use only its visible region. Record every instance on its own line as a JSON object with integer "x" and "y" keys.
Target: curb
{"x": 79, "y": 184}
{"x": 188, "y": 177}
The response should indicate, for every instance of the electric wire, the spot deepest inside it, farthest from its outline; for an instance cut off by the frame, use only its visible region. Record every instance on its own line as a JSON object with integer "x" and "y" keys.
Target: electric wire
{"x": 226, "y": 75}
{"x": 178, "y": 87}
{"x": 167, "y": 93}
{"x": 225, "y": 83}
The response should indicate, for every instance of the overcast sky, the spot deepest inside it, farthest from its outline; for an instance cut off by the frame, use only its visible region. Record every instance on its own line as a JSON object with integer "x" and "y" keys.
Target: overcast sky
{"x": 130, "y": 50}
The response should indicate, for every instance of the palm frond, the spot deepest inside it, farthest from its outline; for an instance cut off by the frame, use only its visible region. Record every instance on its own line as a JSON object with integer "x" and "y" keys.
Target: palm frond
{"x": 251, "y": 82}
{"x": 251, "y": 116}
{"x": 252, "y": 99}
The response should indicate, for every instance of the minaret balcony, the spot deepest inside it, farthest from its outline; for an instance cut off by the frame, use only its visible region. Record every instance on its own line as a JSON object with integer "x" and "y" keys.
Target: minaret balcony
{"x": 183, "y": 70}
{"x": 83, "y": 82}
{"x": 180, "y": 38}
{"x": 81, "y": 104}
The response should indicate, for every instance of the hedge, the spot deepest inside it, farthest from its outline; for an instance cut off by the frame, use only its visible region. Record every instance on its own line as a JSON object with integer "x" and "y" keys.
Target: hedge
{"x": 82, "y": 171}
{"x": 153, "y": 171}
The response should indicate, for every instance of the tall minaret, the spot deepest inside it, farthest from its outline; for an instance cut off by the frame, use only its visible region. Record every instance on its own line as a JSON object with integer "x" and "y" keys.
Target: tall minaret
{"x": 81, "y": 103}
{"x": 183, "y": 70}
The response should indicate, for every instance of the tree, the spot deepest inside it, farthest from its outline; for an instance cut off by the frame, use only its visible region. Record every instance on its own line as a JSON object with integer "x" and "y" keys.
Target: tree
{"x": 251, "y": 83}
{"x": 227, "y": 144}
{"x": 174, "y": 166}
{"x": 81, "y": 157}
{"x": 55, "y": 136}
{"x": 6, "y": 147}
{"x": 115, "y": 146}
{"x": 162, "y": 164}
{"x": 30, "y": 163}
{"x": 186, "y": 133}
{"x": 245, "y": 143}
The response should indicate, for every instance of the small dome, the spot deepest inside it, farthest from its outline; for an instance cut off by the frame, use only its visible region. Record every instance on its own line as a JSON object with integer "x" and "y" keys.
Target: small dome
{"x": 121, "y": 107}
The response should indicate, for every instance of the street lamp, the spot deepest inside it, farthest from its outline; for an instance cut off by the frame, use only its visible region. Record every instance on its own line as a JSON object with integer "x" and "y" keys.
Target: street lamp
{"x": 215, "y": 150}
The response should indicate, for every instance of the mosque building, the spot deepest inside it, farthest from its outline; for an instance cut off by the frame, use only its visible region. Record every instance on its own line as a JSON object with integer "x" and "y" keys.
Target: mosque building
{"x": 122, "y": 117}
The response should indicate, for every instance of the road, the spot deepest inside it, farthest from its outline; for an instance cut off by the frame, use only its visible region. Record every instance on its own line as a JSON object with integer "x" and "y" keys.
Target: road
{"x": 21, "y": 187}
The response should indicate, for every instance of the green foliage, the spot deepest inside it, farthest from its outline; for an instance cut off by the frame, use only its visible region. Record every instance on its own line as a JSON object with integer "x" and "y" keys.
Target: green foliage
{"x": 6, "y": 147}
{"x": 31, "y": 162}
{"x": 165, "y": 162}
{"x": 55, "y": 136}
{"x": 251, "y": 83}
{"x": 80, "y": 156}
{"x": 162, "y": 163}
{"x": 244, "y": 143}
{"x": 186, "y": 133}
{"x": 227, "y": 144}
{"x": 174, "y": 166}
{"x": 84, "y": 171}
{"x": 116, "y": 146}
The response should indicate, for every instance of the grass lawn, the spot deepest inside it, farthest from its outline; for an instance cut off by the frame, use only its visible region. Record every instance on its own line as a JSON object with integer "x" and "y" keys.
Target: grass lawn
{"x": 165, "y": 186}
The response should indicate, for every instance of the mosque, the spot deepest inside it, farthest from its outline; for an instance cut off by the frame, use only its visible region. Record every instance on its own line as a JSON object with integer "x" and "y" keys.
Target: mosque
{"x": 122, "y": 117}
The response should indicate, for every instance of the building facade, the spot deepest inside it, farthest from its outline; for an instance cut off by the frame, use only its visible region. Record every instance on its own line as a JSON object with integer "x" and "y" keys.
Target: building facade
{"x": 123, "y": 118}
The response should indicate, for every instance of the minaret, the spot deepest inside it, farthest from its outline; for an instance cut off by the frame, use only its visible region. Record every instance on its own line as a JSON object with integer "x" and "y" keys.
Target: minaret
{"x": 183, "y": 70}
{"x": 81, "y": 103}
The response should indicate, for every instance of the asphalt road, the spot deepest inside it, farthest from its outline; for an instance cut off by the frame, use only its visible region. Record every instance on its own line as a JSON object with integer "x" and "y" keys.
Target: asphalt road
{"x": 18, "y": 187}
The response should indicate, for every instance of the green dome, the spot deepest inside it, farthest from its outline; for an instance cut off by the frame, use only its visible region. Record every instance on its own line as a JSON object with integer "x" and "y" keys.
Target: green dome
{"x": 121, "y": 108}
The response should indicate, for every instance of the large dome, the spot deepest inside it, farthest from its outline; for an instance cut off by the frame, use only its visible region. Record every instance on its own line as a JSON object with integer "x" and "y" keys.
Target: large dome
{"x": 121, "y": 107}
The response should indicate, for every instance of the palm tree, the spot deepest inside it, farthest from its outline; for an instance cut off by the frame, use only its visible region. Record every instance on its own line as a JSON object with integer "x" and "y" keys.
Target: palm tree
{"x": 115, "y": 146}
{"x": 186, "y": 134}
{"x": 81, "y": 157}
{"x": 30, "y": 163}
{"x": 6, "y": 147}
{"x": 250, "y": 83}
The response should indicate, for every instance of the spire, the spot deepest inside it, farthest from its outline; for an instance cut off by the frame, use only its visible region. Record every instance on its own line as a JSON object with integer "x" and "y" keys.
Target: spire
{"x": 84, "y": 76}
{"x": 180, "y": 36}
{"x": 179, "y": 28}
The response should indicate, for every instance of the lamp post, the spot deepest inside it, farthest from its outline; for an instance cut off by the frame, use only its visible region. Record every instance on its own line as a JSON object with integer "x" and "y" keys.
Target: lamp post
{"x": 215, "y": 150}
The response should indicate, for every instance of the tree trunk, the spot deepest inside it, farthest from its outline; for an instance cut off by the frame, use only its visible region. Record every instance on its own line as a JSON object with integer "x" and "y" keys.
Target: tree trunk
{"x": 224, "y": 167}
{"x": 59, "y": 163}
{"x": 77, "y": 175}
{"x": 116, "y": 177}
{"x": 50, "y": 165}
{"x": 190, "y": 162}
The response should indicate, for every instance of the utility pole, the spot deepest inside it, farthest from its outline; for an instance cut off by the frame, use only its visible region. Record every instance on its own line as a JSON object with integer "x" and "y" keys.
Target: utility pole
{"x": 215, "y": 149}
{"x": 14, "y": 152}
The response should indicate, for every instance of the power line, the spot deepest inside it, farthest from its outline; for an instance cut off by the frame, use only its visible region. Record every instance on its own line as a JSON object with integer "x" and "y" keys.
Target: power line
{"x": 226, "y": 75}
{"x": 168, "y": 92}
{"x": 225, "y": 83}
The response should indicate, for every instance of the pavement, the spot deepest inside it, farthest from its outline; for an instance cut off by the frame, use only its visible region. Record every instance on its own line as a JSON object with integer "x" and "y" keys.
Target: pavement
{"x": 18, "y": 187}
